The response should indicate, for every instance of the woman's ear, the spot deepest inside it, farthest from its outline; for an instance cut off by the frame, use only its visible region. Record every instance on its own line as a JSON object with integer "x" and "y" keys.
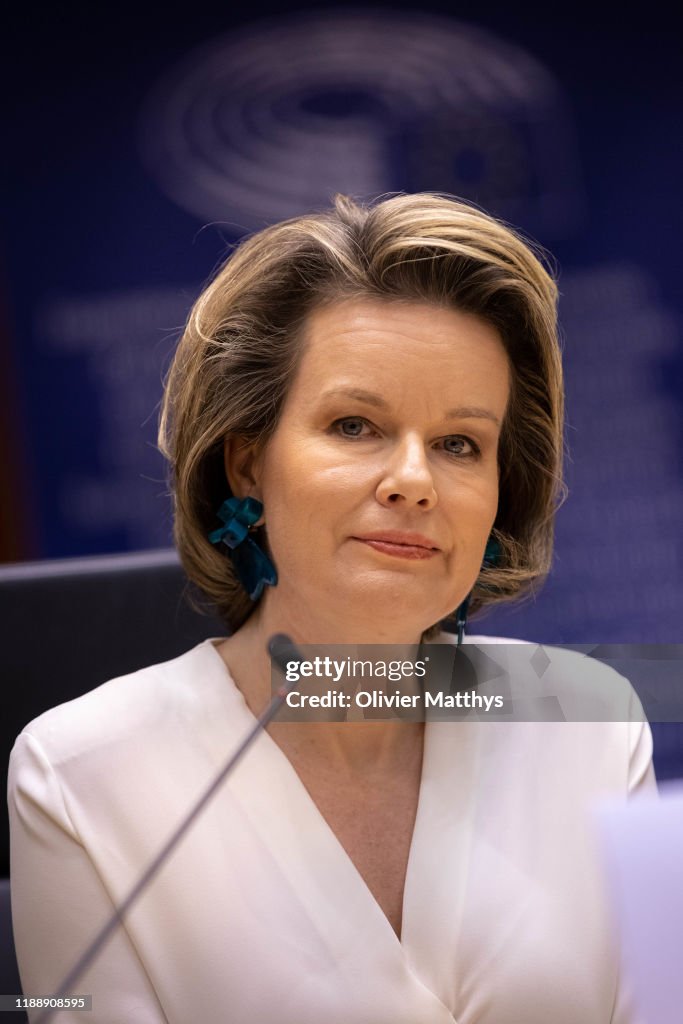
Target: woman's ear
{"x": 241, "y": 459}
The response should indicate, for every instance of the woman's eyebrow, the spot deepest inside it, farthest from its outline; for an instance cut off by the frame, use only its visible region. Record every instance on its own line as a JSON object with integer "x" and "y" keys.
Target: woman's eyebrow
{"x": 370, "y": 398}
{"x": 359, "y": 394}
{"x": 472, "y": 412}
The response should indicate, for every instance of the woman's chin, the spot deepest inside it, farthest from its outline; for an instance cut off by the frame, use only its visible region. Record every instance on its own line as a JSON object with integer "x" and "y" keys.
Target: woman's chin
{"x": 374, "y": 602}
{"x": 379, "y": 608}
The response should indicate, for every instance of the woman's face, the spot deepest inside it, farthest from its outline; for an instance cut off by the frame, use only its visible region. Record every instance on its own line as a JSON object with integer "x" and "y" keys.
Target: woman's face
{"x": 391, "y": 426}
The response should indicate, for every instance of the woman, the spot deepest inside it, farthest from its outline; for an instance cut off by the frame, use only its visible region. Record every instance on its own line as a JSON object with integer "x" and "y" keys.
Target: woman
{"x": 364, "y": 424}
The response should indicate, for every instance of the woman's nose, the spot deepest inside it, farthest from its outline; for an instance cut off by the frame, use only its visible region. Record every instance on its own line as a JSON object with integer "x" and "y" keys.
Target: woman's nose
{"x": 407, "y": 476}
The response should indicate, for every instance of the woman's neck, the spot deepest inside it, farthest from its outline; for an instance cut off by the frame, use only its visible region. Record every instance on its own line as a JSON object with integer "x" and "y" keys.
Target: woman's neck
{"x": 351, "y": 747}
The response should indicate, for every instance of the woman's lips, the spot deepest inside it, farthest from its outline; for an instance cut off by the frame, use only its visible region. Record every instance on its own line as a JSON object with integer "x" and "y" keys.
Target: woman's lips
{"x": 399, "y": 550}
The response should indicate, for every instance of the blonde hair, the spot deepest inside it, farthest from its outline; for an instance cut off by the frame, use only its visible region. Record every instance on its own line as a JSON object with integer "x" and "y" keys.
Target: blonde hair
{"x": 239, "y": 353}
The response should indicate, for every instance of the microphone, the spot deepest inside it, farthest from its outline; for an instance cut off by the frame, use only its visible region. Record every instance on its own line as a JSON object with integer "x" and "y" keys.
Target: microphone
{"x": 281, "y": 649}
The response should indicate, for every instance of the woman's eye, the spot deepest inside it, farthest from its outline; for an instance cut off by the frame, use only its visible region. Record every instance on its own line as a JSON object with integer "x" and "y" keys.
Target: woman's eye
{"x": 458, "y": 445}
{"x": 356, "y": 424}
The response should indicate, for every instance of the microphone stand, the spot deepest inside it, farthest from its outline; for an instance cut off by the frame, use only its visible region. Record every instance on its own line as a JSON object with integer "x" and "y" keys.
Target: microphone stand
{"x": 282, "y": 650}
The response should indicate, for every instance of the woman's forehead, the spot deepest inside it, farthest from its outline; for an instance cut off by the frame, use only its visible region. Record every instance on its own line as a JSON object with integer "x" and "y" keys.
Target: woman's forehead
{"x": 356, "y": 343}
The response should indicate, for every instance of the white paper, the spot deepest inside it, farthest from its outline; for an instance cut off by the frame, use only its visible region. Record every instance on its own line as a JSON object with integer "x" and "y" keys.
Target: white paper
{"x": 642, "y": 842}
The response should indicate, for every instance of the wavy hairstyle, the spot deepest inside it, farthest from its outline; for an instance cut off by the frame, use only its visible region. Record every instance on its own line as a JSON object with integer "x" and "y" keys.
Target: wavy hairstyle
{"x": 239, "y": 353}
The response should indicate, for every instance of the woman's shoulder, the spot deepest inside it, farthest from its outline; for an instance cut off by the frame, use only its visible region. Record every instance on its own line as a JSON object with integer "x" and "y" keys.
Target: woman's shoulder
{"x": 610, "y": 740}
{"x": 130, "y": 706}
{"x": 587, "y": 687}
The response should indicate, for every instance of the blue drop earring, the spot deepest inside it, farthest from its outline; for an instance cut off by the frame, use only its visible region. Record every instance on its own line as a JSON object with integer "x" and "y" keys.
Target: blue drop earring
{"x": 492, "y": 556}
{"x": 252, "y": 566}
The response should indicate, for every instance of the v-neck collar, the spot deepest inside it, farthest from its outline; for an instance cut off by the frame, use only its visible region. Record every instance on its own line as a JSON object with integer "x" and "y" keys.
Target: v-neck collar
{"x": 313, "y": 861}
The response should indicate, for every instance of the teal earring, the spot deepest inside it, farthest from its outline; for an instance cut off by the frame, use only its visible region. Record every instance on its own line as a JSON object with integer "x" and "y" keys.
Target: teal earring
{"x": 492, "y": 558}
{"x": 252, "y": 566}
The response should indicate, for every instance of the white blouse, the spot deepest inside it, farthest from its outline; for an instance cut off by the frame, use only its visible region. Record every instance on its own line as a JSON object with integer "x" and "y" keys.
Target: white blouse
{"x": 261, "y": 916}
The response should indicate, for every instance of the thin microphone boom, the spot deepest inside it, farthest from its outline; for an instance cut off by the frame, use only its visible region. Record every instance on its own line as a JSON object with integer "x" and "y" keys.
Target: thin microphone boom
{"x": 281, "y": 649}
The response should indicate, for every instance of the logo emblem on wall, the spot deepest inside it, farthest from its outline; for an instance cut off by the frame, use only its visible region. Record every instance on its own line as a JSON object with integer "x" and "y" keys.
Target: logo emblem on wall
{"x": 270, "y": 121}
